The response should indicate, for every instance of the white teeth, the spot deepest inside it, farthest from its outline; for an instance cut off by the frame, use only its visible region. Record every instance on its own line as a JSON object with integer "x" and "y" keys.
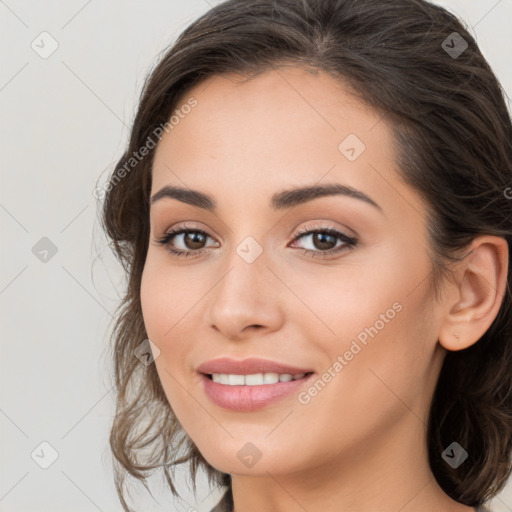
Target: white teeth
{"x": 236, "y": 380}
{"x": 270, "y": 378}
{"x": 223, "y": 378}
{"x": 255, "y": 379}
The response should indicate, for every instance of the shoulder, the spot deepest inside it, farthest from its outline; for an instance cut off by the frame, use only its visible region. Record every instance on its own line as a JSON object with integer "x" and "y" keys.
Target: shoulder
{"x": 226, "y": 503}
{"x": 483, "y": 508}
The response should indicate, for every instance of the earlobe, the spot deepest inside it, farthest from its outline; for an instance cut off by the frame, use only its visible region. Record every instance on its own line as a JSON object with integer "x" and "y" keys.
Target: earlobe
{"x": 478, "y": 293}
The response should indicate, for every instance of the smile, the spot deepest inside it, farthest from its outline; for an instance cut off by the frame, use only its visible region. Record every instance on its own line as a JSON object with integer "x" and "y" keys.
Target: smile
{"x": 245, "y": 393}
{"x": 254, "y": 379}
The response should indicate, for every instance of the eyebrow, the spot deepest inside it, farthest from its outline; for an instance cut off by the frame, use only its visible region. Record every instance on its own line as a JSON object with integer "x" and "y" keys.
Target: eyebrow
{"x": 279, "y": 201}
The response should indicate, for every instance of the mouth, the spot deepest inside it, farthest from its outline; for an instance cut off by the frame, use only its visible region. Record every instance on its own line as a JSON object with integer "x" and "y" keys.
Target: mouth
{"x": 250, "y": 384}
{"x": 255, "y": 379}
{"x": 251, "y": 392}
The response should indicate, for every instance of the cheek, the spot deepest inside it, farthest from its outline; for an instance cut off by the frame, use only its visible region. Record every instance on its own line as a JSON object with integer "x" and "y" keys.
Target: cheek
{"x": 169, "y": 301}
{"x": 379, "y": 321}
{"x": 167, "y": 296}
{"x": 368, "y": 289}
{"x": 162, "y": 309}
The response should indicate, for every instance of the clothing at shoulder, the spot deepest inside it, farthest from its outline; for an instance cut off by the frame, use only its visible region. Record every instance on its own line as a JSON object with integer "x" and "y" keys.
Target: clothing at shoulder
{"x": 226, "y": 504}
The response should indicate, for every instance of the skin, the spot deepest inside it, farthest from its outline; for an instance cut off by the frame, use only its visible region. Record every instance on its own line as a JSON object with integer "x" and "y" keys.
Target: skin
{"x": 360, "y": 443}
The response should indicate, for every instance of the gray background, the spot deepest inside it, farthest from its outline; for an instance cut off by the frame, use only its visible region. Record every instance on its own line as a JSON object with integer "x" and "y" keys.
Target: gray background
{"x": 64, "y": 123}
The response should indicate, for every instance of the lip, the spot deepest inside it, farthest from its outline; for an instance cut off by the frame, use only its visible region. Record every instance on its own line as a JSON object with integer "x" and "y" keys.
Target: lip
{"x": 248, "y": 366}
{"x": 250, "y": 398}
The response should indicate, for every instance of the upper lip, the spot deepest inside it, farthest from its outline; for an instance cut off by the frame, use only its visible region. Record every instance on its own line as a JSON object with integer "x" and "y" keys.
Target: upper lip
{"x": 248, "y": 367}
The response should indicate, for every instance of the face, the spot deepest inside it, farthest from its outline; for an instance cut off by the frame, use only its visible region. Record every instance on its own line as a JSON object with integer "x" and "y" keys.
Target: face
{"x": 336, "y": 284}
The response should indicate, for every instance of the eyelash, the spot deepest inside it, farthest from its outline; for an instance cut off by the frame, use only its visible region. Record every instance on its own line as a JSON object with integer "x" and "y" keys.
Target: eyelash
{"x": 349, "y": 242}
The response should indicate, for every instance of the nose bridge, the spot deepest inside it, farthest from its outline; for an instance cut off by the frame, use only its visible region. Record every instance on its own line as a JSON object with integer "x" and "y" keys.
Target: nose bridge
{"x": 246, "y": 271}
{"x": 255, "y": 241}
{"x": 245, "y": 293}
{"x": 248, "y": 244}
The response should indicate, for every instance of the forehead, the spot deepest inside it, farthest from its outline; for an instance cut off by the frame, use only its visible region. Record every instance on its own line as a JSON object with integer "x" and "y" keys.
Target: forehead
{"x": 278, "y": 106}
{"x": 282, "y": 128}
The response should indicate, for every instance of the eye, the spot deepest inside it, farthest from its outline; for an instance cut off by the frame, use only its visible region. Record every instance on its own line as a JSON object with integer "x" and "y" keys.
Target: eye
{"x": 322, "y": 240}
{"x": 193, "y": 240}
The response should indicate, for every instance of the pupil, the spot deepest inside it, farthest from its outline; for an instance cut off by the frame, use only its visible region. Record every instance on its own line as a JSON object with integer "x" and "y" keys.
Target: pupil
{"x": 192, "y": 237}
{"x": 321, "y": 238}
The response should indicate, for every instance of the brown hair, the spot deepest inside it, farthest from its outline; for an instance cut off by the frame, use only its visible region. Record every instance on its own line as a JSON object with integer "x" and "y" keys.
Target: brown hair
{"x": 453, "y": 137}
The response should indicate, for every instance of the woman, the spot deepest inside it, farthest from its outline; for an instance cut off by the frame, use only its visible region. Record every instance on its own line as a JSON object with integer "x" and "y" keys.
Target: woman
{"x": 314, "y": 213}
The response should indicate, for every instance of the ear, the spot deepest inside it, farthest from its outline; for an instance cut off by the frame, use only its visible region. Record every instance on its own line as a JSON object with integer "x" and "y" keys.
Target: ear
{"x": 477, "y": 294}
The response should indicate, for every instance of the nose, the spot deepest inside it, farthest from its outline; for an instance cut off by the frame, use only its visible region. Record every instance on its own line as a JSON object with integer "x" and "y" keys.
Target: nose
{"x": 247, "y": 299}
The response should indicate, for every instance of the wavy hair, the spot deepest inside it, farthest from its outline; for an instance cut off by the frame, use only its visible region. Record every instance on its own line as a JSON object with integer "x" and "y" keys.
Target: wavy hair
{"x": 453, "y": 136}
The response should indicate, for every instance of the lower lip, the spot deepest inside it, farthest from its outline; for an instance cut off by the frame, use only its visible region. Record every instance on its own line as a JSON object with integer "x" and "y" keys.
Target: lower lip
{"x": 250, "y": 398}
